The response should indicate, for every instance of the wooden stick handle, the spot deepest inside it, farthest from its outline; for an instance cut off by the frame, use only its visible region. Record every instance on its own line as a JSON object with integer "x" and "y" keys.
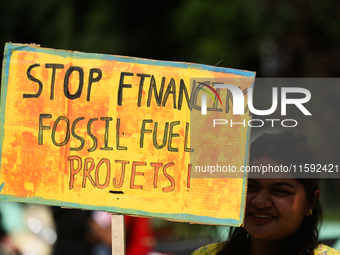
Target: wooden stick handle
{"x": 118, "y": 234}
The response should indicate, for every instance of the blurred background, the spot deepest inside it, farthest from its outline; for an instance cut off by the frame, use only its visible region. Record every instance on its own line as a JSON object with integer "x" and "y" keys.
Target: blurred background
{"x": 297, "y": 38}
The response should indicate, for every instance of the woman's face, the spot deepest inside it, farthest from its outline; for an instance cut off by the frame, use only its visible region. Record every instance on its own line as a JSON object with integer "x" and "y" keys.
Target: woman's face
{"x": 275, "y": 207}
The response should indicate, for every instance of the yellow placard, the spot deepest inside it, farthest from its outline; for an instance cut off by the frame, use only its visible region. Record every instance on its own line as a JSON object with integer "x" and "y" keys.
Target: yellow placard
{"x": 111, "y": 133}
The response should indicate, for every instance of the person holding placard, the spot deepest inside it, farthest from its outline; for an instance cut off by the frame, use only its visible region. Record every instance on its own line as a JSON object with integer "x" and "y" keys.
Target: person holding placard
{"x": 282, "y": 214}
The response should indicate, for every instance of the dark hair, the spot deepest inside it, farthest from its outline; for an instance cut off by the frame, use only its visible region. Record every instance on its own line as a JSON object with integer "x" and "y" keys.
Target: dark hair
{"x": 285, "y": 148}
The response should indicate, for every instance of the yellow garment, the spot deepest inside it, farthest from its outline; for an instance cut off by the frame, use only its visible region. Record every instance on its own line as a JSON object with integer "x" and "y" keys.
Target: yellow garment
{"x": 213, "y": 249}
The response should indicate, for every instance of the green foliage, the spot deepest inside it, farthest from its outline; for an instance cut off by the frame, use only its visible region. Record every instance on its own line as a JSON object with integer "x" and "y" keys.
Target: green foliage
{"x": 304, "y": 33}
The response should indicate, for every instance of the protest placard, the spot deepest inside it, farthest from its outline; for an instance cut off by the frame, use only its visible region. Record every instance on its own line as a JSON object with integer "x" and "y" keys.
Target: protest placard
{"x": 111, "y": 133}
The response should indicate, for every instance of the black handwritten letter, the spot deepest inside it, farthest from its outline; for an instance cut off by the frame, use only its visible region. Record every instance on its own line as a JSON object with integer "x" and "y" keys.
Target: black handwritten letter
{"x": 92, "y": 79}
{"x": 121, "y": 86}
{"x": 41, "y": 127}
{"x": 66, "y": 81}
{"x": 141, "y": 84}
{"x": 30, "y": 77}
{"x": 54, "y": 68}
